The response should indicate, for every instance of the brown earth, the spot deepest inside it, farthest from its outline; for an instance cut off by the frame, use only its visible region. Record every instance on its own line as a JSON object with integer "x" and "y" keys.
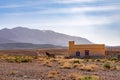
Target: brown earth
{"x": 59, "y": 68}
{"x": 34, "y": 52}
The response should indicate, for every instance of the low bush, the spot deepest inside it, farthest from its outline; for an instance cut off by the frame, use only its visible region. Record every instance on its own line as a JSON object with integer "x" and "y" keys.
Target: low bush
{"x": 107, "y": 65}
{"x": 88, "y": 77}
{"x": 66, "y": 65}
{"x": 113, "y": 67}
{"x": 76, "y": 61}
{"x": 52, "y": 74}
{"x": 10, "y": 59}
{"x": 86, "y": 60}
{"x": 98, "y": 60}
{"x": 74, "y": 76}
{"x": 19, "y": 59}
{"x": 90, "y": 67}
{"x": 77, "y": 76}
{"x": 77, "y": 65}
{"x": 113, "y": 58}
{"x": 47, "y": 63}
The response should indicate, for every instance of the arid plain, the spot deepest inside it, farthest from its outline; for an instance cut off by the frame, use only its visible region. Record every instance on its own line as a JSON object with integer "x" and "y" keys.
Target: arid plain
{"x": 27, "y": 65}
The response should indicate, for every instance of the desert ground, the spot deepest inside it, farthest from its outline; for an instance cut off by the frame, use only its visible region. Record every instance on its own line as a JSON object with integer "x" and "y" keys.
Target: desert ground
{"x": 24, "y": 65}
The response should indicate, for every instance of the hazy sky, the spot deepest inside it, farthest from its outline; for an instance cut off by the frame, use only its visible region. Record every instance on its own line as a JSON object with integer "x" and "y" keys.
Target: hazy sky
{"x": 96, "y": 20}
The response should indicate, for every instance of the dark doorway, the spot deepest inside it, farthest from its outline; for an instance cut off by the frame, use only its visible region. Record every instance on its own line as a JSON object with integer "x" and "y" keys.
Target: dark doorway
{"x": 78, "y": 53}
{"x": 87, "y": 53}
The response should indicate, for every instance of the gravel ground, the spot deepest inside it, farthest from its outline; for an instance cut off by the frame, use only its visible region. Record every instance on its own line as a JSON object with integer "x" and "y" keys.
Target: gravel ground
{"x": 37, "y": 71}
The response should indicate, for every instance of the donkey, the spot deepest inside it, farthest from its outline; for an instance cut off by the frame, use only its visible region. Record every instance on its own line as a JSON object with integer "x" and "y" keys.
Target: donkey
{"x": 50, "y": 55}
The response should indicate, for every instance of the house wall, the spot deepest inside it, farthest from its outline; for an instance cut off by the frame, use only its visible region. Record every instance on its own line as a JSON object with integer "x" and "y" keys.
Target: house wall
{"x": 111, "y": 54}
{"x": 95, "y": 50}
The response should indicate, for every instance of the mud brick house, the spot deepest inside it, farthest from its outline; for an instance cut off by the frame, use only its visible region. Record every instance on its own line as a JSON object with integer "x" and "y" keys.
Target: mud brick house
{"x": 113, "y": 52}
{"x": 86, "y": 50}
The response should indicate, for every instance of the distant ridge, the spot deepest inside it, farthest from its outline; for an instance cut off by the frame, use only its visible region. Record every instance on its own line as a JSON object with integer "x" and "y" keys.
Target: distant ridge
{"x": 35, "y": 36}
{"x": 10, "y": 46}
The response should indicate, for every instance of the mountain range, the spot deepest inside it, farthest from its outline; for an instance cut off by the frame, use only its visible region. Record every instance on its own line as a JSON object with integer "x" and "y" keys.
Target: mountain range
{"x": 35, "y": 36}
{"x": 12, "y": 46}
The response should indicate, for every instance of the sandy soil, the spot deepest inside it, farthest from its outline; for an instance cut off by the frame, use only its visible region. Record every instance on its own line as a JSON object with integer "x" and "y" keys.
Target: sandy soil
{"x": 40, "y": 70}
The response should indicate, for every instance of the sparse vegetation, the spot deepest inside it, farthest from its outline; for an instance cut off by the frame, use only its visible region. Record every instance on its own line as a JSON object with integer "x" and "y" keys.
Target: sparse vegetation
{"x": 113, "y": 67}
{"x": 88, "y": 77}
{"x": 115, "y": 59}
{"x": 10, "y": 59}
{"x": 98, "y": 60}
{"x": 52, "y": 74}
{"x": 46, "y": 68}
{"x": 78, "y": 66}
{"x": 76, "y": 61}
{"x": 90, "y": 67}
{"x": 66, "y": 65}
{"x": 75, "y": 76}
{"x": 107, "y": 65}
{"x": 86, "y": 60}
{"x": 23, "y": 59}
{"x": 17, "y": 59}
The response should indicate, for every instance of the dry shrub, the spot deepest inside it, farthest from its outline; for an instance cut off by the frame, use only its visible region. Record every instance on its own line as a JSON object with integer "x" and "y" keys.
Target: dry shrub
{"x": 110, "y": 66}
{"x": 3, "y": 57}
{"x": 63, "y": 78}
{"x": 89, "y": 77}
{"x": 61, "y": 61}
{"x": 53, "y": 60}
{"x": 75, "y": 76}
{"x": 53, "y": 74}
{"x": 98, "y": 60}
{"x": 50, "y": 64}
{"x": 66, "y": 65}
{"x": 42, "y": 59}
{"x": 107, "y": 65}
{"x": 86, "y": 60}
{"x": 47, "y": 63}
{"x": 113, "y": 67}
{"x": 114, "y": 59}
{"x": 92, "y": 60}
{"x": 104, "y": 60}
{"x": 90, "y": 67}
{"x": 78, "y": 66}
{"x": 10, "y": 59}
{"x": 75, "y": 61}
{"x": 19, "y": 59}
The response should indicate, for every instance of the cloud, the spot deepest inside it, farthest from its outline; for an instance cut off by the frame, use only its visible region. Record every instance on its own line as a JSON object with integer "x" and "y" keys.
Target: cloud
{"x": 81, "y": 9}
{"x": 75, "y": 20}
{"x": 11, "y": 6}
{"x": 75, "y": 1}
{"x": 43, "y": 3}
{"x": 24, "y": 4}
{"x": 72, "y": 10}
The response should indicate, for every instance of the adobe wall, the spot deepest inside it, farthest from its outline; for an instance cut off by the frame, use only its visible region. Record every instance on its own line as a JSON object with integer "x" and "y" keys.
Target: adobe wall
{"x": 94, "y": 49}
